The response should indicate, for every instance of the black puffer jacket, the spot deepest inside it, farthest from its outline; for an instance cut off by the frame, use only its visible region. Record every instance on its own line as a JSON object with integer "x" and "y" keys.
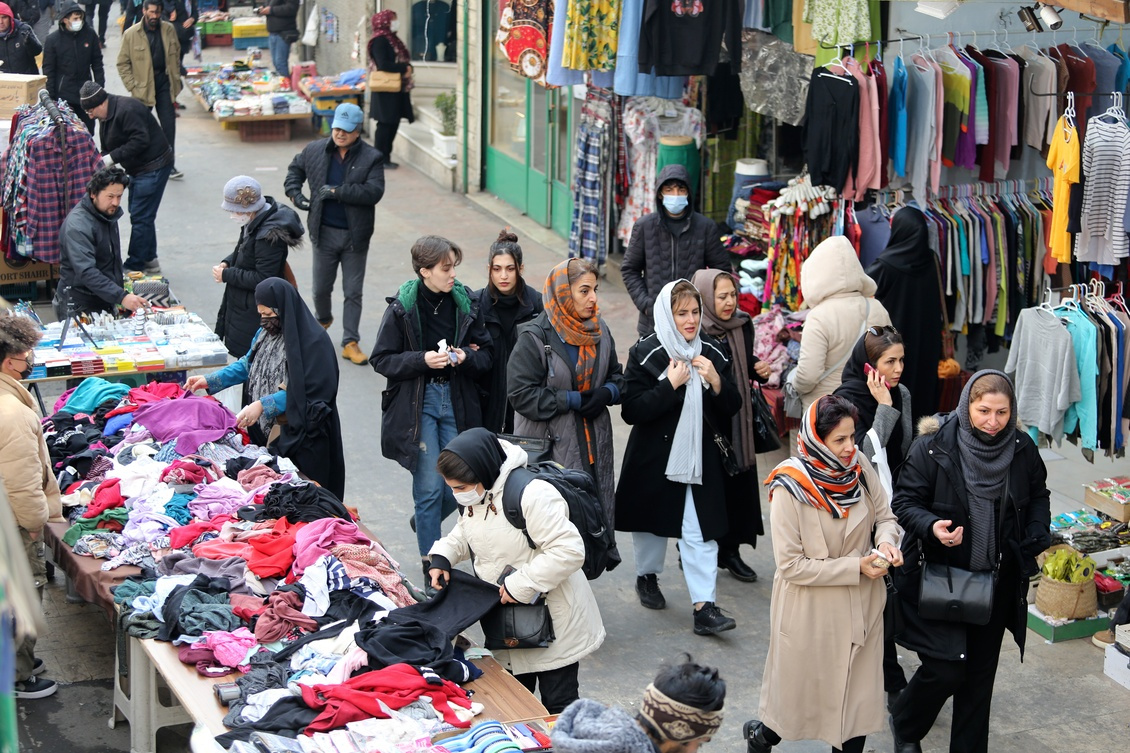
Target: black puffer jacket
{"x": 71, "y": 58}
{"x": 931, "y": 487}
{"x": 91, "y": 261}
{"x": 132, "y": 136}
{"x": 399, "y": 358}
{"x": 656, "y": 255}
{"x": 260, "y": 253}
{"x": 19, "y": 48}
{"x": 363, "y": 187}
{"x": 283, "y": 16}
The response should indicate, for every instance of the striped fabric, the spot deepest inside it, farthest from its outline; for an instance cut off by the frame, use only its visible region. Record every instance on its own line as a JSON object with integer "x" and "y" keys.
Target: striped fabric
{"x": 816, "y": 476}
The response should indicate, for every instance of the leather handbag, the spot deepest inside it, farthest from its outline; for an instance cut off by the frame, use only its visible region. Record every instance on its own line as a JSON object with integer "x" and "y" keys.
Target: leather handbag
{"x": 730, "y": 462}
{"x": 538, "y": 449}
{"x": 953, "y": 594}
{"x": 766, "y": 437}
{"x": 892, "y": 612}
{"x": 511, "y": 626}
{"x": 385, "y": 81}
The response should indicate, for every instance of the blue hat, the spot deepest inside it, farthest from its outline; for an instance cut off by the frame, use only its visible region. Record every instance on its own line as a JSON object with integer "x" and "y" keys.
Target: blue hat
{"x": 243, "y": 194}
{"x": 348, "y": 117}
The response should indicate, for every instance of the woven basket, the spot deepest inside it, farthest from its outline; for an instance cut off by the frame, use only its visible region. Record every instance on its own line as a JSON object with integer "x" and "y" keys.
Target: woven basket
{"x": 1065, "y": 601}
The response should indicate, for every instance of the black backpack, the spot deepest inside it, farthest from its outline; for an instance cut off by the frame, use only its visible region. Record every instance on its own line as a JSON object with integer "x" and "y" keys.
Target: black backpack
{"x": 585, "y": 511}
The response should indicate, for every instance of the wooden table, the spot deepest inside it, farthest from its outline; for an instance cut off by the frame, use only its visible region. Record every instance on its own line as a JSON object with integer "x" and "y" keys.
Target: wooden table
{"x": 287, "y": 118}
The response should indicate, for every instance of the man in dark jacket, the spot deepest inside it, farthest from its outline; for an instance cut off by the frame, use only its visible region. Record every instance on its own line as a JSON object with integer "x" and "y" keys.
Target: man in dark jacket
{"x": 27, "y": 11}
{"x": 670, "y": 243}
{"x": 346, "y": 181}
{"x": 282, "y": 32}
{"x": 18, "y": 44}
{"x": 182, "y": 14}
{"x": 71, "y": 57}
{"x": 90, "y": 269}
{"x": 132, "y": 138}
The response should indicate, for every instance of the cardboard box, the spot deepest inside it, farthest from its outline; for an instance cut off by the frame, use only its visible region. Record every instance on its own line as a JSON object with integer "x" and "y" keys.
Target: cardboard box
{"x": 1106, "y": 505}
{"x": 18, "y": 89}
{"x": 17, "y": 271}
{"x": 1116, "y": 666}
{"x": 1068, "y": 631}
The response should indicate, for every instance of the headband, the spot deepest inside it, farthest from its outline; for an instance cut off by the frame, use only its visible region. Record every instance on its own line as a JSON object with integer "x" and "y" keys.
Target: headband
{"x": 676, "y": 721}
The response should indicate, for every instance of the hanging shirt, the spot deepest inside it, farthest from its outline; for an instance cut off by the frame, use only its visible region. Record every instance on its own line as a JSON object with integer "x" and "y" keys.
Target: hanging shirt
{"x": 896, "y": 101}
{"x": 831, "y": 150}
{"x": 575, "y": 48}
{"x": 921, "y": 121}
{"x": 684, "y": 37}
{"x": 1039, "y": 112}
{"x": 1041, "y": 363}
{"x": 1106, "y": 165}
{"x": 629, "y": 81}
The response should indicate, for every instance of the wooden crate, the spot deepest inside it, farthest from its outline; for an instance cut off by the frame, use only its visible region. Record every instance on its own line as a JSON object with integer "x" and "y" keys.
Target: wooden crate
{"x": 265, "y": 130}
{"x": 1106, "y": 505}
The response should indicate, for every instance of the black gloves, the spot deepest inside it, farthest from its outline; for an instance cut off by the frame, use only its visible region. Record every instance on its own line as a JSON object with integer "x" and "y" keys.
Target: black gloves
{"x": 594, "y": 401}
{"x": 301, "y": 202}
{"x": 326, "y": 192}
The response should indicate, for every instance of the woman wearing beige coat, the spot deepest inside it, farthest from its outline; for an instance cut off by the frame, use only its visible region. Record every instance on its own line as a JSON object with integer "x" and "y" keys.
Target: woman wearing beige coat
{"x": 841, "y": 298}
{"x": 824, "y": 675}
{"x": 476, "y": 465}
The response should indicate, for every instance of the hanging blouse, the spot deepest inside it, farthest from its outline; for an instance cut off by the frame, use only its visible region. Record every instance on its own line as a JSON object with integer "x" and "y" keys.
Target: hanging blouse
{"x": 1106, "y": 167}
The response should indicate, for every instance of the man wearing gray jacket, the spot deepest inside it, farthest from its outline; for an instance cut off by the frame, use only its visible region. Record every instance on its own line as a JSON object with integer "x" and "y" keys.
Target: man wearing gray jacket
{"x": 346, "y": 179}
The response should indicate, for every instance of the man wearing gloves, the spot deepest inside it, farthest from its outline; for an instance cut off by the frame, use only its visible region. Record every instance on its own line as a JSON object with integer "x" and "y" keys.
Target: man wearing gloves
{"x": 346, "y": 180}
{"x": 133, "y": 139}
{"x": 72, "y": 57}
{"x": 18, "y": 44}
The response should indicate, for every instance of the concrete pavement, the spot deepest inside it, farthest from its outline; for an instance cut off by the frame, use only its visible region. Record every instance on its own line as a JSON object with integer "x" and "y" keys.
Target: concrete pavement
{"x": 1057, "y": 700}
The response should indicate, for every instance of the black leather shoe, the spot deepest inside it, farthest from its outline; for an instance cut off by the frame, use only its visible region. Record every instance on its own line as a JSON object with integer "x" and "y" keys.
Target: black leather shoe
{"x": 902, "y": 746}
{"x": 732, "y": 561}
{"x": 754, "y": 733}
{"x": 647, "y": 586}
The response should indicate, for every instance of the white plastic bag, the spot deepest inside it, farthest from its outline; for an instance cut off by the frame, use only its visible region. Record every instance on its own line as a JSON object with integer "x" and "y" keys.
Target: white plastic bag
{"x": 882, "y": 465}
{"x": 310, "y": 37}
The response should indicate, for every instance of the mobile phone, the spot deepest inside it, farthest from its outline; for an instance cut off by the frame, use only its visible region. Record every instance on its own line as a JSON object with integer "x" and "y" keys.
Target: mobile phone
{"x": 868, "y": 369}
{"x": 505, "y": 572}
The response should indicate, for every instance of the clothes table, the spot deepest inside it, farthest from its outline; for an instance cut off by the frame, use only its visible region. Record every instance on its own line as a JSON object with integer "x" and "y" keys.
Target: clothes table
{"x": 132, "y": 377}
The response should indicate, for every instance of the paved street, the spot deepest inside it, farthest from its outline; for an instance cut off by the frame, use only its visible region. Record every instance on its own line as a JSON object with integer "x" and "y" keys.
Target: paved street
{"x": 1057, "y": 700}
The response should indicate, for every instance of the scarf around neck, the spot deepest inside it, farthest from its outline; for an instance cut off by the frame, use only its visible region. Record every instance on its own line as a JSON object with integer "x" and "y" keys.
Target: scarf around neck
{"x": 733, "y": 332}
{"x": 583, "y": 333}
{"x": 816, "y": 476}
{"x": 381, "y": 24}
{"x": 684, "y": 464}
{"x": 268, "y": 373}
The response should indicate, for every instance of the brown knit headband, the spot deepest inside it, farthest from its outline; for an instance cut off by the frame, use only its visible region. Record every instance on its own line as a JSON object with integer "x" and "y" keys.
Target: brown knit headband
{"x": 676, "y": 721}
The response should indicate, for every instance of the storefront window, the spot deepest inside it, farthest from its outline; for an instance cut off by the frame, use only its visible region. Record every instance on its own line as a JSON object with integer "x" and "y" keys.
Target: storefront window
{"x": 507, "y": 102}
{"x": 434, "y": 24}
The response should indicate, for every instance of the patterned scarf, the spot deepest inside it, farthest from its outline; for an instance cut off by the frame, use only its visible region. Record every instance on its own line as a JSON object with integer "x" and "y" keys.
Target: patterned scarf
{"x": 675, "y": 721}
{"x": 684, "y": 463}
{"x": 382, "y": 23}
{"x": 816, "y": 476}
{"x": 268, "y": 371}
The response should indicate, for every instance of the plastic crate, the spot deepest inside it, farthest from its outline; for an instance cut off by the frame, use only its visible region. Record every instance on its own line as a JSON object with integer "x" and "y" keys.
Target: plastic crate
{"x": 265, "y": 130}
{"x": 218, "y": 27}
{"x": 244, "y": 43}
{"x": 249, "y": 27}
{"x": 27, "y": 291}
{"x": 217, "y": 40}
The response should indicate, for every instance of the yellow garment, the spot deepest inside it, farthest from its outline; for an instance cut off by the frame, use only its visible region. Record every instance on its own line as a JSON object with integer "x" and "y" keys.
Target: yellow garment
{"x": 592, "y": 29}
{"x": 1063, "y": 159}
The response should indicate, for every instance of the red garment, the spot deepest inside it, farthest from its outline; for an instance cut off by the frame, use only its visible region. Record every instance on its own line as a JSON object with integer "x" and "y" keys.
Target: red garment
{"x": 185, "y": 535}
{"x": 218, "y": 549}
{"x": 107, "y": 496}
{"x": 360, "y": 697}
{"x": 245, "y": 606}
{"x": 148, "y": 393}
{"x": 272, "y": 554}
{"x": 282, "y": 614}
{"x": 187, "y": 470}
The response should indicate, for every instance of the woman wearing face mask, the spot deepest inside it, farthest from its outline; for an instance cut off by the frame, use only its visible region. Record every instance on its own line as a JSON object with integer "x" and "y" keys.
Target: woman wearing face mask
{"x": 823, "y": 676}
{"x": 475, "y": 465}
{"x": 388, "y": 53}
{"x": 506, "y": 302}
{"x": 289, "y": 377}
{"x": 733, "y": 329}
{"x": 563, "y": 375}
{"x": 678, "y": 393}
{"x": 268, "y": 230}
{"x": 948, "y": 498}
{"x": 72, "y": 57}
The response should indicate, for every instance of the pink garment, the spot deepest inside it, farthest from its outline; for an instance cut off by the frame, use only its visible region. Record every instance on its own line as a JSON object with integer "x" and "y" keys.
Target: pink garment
{"x": 215, "y": 499}
{"x": 191, "y": 421}
{"x": 284, "y": 613}
{"x": 936, "y": 152}
{"x": 191, "y": 470}
{"x": 369, "y": 562}
{"x": 230, "y": 648}
{"x": 217, "y": 549}
{"x": 62, "y": 401}
{"x": 347, "y": 665}
{"x": 256, "y": 476}
{"x": 867, "y": 169}
{"x": 316, "y": 538}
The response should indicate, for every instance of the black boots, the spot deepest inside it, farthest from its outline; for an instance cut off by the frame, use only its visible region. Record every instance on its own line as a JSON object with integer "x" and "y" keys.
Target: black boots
{"x": 647, "y": 586}
{"x": 754, "y": 733}
{"x": 731, "y": 559}
{"x": 709, "y": 620}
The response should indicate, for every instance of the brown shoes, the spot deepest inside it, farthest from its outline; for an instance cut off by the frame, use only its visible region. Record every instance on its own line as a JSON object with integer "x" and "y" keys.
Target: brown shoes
{"x": 353, "y": 353}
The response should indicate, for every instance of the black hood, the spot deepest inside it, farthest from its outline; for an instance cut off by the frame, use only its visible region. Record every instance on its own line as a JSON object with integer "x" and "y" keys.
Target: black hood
{"x": 281, "y": 225}
{"x": 673, "y": 172}
{"x": 67, "y": 9}
{"x": 908, "y": 249}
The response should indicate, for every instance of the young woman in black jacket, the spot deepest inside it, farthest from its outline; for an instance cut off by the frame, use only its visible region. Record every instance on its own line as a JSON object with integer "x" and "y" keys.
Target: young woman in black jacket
{"x": 504, "y": 303}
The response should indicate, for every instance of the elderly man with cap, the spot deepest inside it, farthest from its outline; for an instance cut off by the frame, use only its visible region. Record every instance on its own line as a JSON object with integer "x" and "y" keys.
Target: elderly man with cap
{"x": 346, "y": 180}
{"x": 133, "y": 139}
{"x": 267, "y": 232}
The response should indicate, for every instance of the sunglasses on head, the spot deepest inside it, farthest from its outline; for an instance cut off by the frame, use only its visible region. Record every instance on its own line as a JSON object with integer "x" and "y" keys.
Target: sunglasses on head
{"x": 879, "y": 331}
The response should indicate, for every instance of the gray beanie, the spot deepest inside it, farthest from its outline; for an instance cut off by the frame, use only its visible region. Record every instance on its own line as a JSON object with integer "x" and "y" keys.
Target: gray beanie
{"x": 244, "y": 195}
{"x": 91, "y": 95}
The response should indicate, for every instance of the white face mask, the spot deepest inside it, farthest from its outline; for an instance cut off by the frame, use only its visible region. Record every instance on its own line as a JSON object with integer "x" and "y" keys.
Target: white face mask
{"x": 242, "y": 218}
{"x": 468, "y": 498}
{"x": 76, "y": 25}
{"x": 394, "y": 26}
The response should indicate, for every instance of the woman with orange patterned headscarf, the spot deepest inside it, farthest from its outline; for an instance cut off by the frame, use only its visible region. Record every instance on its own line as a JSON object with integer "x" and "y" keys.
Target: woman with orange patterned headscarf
{"x": 563, "y": 375}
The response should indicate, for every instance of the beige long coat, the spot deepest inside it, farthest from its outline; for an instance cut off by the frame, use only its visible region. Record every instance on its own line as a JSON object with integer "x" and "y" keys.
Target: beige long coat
{"x": 25, "y": 465}
{"x": 135, "y": 64}
{"x": 824, "y": 672}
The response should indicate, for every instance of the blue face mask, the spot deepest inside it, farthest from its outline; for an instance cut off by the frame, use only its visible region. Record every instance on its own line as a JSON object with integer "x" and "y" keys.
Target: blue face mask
{"x": 675, "y": 204}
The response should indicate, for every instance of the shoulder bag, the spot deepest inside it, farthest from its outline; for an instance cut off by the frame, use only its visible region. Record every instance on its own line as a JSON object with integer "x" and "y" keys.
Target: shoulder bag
{"x": 730, "y": 462}
{"x": 510, "y": 626}
{"x": 385, "y": 81}
{"x": 952, "y": 594}
{"x": 538, "y": 449}
{"x": 766, "y": 436}
{"x": 793, "y": 401}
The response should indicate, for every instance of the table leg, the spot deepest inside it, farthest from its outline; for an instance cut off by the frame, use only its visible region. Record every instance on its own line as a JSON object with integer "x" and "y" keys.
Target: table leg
{"x": 39, "y": 397}
{"x": 141, "y": 705}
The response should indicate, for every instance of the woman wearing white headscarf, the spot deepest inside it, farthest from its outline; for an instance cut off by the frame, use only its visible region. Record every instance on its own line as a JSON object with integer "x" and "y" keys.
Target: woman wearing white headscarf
{"x": 678, "y": 394}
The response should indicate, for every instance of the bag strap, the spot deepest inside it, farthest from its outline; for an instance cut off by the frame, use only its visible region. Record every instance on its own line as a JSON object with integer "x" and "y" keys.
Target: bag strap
{"x": 512, "y": 490}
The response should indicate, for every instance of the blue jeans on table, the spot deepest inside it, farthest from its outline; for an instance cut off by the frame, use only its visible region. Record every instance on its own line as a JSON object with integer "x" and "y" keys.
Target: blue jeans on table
{"x": 434, "y": 499}
{"x": 280, "y": 54}
{"x": 700, "y": 558}
{"x": 145, "y": 192}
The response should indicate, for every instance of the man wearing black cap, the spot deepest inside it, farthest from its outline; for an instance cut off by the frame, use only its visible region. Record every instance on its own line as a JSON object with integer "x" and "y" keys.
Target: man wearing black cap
{"x": 132, "y": 138}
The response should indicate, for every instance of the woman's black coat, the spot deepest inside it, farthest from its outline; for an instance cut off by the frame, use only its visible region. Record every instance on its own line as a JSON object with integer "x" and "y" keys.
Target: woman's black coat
{"x": 931, "y": 487}
{"x": 498, "y": 415}
{"x": 646, "y": 500}
{"x": 259, "y": 254}
{"x": 388, "y": 107}
{"x": 743, "y": 490}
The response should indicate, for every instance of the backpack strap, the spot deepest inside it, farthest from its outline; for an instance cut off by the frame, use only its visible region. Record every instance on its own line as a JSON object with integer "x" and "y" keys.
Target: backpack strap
{"x": 512, "y": 492}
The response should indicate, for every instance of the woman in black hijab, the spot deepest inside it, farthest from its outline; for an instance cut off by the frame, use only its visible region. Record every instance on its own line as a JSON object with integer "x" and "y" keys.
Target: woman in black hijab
{"x": 909, "y": 287}
{"x": 298, "y": 380}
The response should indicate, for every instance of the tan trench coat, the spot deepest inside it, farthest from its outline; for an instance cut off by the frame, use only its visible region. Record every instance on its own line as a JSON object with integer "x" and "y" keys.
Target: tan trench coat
{"x": 135, "y": 65}
{"x": 824, "y": 672}
{"x": 25, "y": 465}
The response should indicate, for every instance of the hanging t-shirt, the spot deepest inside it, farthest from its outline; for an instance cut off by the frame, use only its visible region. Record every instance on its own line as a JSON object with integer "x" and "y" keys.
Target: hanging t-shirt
{"x": 896, "y": 102}
{"x": 684, "y": 37}
{"x": 1063, "y": 160}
